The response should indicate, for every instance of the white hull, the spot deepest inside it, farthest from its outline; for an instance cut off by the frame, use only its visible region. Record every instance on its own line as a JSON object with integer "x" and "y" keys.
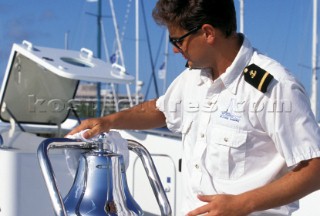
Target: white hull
{"x": 22, "y": 188}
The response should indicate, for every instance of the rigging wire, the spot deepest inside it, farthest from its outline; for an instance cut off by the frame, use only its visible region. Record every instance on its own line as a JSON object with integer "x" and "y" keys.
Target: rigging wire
{"x": 303, "y": 47}
{"x": 160, "y": 45}
{"x": 115, "y": 46}
{"x": 76, "y": 35}
{"x": 104, "y": 41}
{"x": 126, "y": 18}
{"x": 119, "y": 45}
{"x": 149, "y": 49}
{"x": 156, "y": 60}
{"x": 290, "y": 27}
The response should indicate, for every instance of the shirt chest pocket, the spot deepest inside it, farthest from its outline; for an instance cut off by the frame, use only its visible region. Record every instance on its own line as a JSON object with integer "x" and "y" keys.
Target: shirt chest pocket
{"x": 227, "y": 150}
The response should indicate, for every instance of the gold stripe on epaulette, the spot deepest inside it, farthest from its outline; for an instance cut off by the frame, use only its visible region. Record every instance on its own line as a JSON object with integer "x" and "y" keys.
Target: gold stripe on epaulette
{"x": 263, "y": 80}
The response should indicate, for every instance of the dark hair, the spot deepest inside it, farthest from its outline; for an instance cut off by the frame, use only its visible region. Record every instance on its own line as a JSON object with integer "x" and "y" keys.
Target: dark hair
{"x": 188, "y": 14}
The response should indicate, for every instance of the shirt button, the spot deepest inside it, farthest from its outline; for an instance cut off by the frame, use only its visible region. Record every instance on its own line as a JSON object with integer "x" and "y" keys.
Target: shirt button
{"x": 226, "y": 139}
{"x": 196, "y": 166}
{"x": 202, "y": 135}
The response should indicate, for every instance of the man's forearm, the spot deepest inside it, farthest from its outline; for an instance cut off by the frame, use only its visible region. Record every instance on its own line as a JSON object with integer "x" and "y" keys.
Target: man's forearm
{"x": 303, "y": 180}
{"x": 142, "y": 116}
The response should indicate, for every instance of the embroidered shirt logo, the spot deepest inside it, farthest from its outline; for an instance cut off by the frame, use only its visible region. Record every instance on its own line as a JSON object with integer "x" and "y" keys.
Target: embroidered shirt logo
{"x": 231, "y": 112}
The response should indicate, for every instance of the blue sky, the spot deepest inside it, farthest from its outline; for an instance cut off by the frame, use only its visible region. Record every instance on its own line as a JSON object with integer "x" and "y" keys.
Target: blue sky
{"x": 280, "y": 28}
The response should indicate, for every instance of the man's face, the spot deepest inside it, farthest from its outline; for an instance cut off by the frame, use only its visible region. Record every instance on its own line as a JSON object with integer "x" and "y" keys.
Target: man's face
{"x": 190, "y": 44}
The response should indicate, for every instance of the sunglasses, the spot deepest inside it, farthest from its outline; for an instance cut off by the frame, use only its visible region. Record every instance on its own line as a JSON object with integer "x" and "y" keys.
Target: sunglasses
{"x": 177, "y": 42}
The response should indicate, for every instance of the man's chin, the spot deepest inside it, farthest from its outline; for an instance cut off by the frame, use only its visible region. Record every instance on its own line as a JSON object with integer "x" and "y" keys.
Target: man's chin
{"x": 190, "y": 65}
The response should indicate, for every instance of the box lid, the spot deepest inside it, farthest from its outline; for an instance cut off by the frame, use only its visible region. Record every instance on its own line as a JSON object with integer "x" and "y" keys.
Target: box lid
{"x": 40, "y": 82}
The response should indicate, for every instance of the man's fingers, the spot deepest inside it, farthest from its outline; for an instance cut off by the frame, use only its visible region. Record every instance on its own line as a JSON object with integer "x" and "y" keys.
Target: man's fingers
{"x": 205, "y": 198}
{"x": 86, "y": 124}
{"x": 199, "y": 211}
{"x": 76, "y": 130}
{"x": 91, "y": 133}
{"x": 203, "y": 209}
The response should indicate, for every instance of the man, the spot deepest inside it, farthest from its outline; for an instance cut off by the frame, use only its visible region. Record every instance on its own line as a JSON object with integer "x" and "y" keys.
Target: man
{"x": 251, "y": 144}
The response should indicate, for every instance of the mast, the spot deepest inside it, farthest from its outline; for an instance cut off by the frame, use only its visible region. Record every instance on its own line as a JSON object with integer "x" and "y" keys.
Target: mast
{"x": 166, "y": 55}
{"x": 66, "y": 40}
{"x": 99, "y": 35}
{"x": 241, "y": 16}
{"x": 115, "y": 24}
{"x": 137, "y": 51}
{"x": 314, "y": 84}
{"x": 99, "y": 17}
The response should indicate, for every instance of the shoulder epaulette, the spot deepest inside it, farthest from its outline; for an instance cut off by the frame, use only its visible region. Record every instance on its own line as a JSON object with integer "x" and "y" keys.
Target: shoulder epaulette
{"x": 257, "y": 77}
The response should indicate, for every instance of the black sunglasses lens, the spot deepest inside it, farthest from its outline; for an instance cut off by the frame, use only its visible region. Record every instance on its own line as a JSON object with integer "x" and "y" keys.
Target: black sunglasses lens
{"x": 175, "y": 43}
{"x": 178, "y": 42}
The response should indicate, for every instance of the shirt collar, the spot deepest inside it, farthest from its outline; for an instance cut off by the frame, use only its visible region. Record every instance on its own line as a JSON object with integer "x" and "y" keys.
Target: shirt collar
{"x": 205, "y": 76}
{"x": 231, "y": 76}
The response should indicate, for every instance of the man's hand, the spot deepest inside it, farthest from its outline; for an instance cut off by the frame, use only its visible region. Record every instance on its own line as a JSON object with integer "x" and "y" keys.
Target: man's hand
{"x": 142, "y": 116}
{"x": 294, "y": 185}
{"x": 221, "y": 205}
{"x": 95, "y": 126}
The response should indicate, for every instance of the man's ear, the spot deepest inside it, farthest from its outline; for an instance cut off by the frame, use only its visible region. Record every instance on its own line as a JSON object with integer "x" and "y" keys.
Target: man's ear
{"x": 210, "y": 33}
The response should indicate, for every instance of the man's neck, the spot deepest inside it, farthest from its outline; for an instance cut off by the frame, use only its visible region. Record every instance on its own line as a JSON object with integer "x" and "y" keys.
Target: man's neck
{"x": 227, "y": 50}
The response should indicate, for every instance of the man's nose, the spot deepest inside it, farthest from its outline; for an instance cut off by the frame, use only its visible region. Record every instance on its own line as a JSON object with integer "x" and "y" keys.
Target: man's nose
{"x": 175, "y": 49}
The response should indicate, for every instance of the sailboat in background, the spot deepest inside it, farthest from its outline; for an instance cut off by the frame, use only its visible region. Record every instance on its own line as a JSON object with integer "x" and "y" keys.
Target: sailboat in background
{"x": 117, "y": 58}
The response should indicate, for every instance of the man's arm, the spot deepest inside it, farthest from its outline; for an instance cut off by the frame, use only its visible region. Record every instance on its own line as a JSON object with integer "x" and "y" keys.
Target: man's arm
{"x": 302, "y": 180}
{"x": 142, "y": 116}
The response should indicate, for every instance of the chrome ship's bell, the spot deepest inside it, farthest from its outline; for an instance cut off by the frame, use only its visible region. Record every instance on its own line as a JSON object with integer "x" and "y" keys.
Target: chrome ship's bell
{"x": 100, "y": 185}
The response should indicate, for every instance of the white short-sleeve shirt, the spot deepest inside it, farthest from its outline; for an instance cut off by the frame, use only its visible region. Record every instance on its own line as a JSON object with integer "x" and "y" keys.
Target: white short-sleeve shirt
{"x": 235, "y": 137}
